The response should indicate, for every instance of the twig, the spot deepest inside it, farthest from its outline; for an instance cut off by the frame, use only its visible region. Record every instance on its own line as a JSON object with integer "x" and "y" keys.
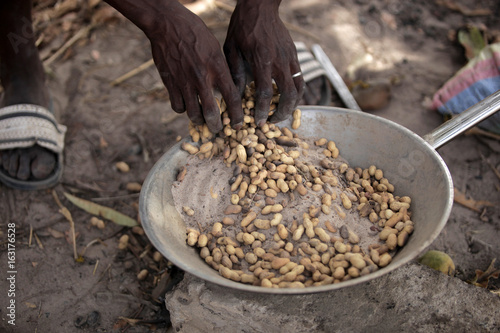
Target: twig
{"x": 104, "y": 272}
{"x": 472, "y": 204}
{"x": 462, "y": 9}
{"x": 66, "y": 213}
{"x": 302, "y": 31}
{"x": 118, "y": 197}
{"x": 224, "y": 6}
{"x": 39, "y": 242}
{"x": 146, "y": 251}
{"x": 95, "y": 267}
{"x": 478, "y": 131}
{"x": 80, "y": 34}
{"x": 39, "y": 40}
{"x": 133, "y": 72}
{"x": 495, "y": 170}
{"x": 142, "y": 142}
{"x": 31, "y": 236}
{"x": 92, "y": 242}
{"x": 40, "y": 309}
{"x": 82, "y": 187}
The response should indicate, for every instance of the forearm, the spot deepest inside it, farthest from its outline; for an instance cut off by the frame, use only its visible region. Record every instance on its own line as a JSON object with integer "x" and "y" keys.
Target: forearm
{"x": 258, "y": 6}
{"x": 271, "y": 3}
{"x": 256, "y": 12}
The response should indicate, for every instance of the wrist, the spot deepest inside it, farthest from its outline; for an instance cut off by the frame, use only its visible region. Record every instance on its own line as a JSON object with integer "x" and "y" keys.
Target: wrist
{"x": 261, "y": 4}
{"x": 147, "y": 14}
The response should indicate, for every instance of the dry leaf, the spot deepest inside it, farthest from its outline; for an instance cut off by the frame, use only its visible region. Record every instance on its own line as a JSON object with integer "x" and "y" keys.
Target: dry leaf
{"x": 55, "y": 233}
{"x": 105, "y": 15}
{"x": 30, "y": 305}
{"x": 483, "y": 278}
{"x": 475, "y": 205}
{"x": 64, "y": 7}
{"x": 130, "y": 321}
{"x": 98, "y": 210}
{"x": 103, "y": 143}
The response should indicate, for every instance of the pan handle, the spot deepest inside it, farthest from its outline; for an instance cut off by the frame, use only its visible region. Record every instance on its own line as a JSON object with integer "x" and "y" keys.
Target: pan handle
{"x": 465, "y": 120}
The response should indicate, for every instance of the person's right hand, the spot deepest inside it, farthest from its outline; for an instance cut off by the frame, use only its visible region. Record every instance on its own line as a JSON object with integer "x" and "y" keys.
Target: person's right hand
{"x": 257, "y": 36}
{"x": 191, "y": 65}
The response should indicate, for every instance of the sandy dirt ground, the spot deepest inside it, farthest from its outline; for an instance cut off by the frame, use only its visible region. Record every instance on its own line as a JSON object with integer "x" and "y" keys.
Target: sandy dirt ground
{"x": 409, "y": 44}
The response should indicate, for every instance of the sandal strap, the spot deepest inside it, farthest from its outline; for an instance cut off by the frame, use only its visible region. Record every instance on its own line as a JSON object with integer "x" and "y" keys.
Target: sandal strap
{"x": 309, "y": 66}
{"x": 24, "y": 125}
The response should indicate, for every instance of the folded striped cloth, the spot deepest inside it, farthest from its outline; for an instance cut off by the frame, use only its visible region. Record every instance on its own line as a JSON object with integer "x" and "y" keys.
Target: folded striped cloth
{"x": 471, "y": 84}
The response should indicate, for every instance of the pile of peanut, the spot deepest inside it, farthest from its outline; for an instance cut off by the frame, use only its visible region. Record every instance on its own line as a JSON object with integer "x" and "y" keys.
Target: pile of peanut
{"x": 269, "y": 175}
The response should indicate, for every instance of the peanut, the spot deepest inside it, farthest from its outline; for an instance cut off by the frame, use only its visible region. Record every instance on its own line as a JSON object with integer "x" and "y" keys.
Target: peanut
{"x": 206, "y": 147}
{"x": 296, "y": 118}
{"x": 276, "y": 219}
{"x": 384, "y": 260}
{"x": 189, "y": 148}
{"x": 346, "y": 202}
{"x": 189, "y": 211}
{"x": 248, "y": 218}
{"x": 262, "y": 224}
{"x": 232, "y": 209}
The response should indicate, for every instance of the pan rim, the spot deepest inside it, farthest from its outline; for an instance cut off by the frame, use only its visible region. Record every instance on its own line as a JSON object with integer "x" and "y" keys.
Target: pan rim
{"x": 220, "y": 281}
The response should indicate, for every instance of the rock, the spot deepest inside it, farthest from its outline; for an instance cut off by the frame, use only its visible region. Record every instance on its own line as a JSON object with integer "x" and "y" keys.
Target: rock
{"x": 413, "y": 298}
{"x": 373, "y": 97}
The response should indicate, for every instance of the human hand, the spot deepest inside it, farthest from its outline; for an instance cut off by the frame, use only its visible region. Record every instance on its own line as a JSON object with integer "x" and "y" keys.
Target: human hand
{"x": 258, "y": 36}
{"x": 191, "y": 65}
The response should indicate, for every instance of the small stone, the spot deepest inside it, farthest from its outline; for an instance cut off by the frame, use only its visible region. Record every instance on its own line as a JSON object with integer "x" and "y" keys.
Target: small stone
{"x": 344, "y": 232}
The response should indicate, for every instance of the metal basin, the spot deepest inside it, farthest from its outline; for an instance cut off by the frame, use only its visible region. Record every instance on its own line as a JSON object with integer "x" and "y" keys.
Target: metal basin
{"x": 408, "y": 161}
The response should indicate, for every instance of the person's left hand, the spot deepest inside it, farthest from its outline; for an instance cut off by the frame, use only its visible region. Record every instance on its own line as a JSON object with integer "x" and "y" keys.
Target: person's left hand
{"x": 258, "y": 36}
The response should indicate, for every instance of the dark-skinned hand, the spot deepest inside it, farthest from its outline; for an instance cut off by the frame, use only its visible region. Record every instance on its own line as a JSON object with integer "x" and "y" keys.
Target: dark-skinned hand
{"x": 189, "y": 59}
{"x": 257, "y": 36}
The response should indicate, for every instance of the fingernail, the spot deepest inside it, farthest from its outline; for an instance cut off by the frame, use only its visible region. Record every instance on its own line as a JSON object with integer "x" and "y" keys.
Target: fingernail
{"x": 238, "y": 126}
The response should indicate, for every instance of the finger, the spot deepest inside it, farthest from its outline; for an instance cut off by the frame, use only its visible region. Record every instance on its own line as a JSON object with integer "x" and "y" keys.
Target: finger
{"x": 236, "y": 67}
{"x": 174, "y": 93}
{"x": 233, "y": 101}
{"x": 234, "y": 109}
{"x": 288, "y": 97}
{"x": 175, "y": 96}
{"x": 300, "y": 84}
{"x": 210, "y": 110}
{"x": 263, "y": 93}
{"x": 193, "y": 107}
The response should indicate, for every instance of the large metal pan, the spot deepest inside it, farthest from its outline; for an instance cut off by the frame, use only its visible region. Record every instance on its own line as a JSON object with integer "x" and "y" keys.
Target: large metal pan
{"x": 409, "y": 161}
